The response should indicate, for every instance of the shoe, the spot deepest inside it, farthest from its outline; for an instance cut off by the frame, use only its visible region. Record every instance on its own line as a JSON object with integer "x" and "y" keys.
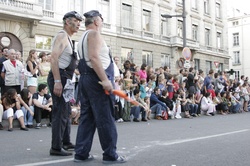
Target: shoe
{"x": 120, "y": 159}
{"x": 44, "y": 125}
{"x": 136, "y": 120}
{"x": 49, "y": 125}
{"x": 144, "y": 119}
{"x": 158, "y": 117}
{"x": 91, "y": 157}
{"x": 1, "y": 126}
{"x": 61, "y": 152}
{"x": 69, "y": 146}
{"x": 10, "y": 129}
{"x": 148, "y": 118}
{"x": 24, "y": 129}
{"x": 29, "y": 126}
{"x": 38, "y": 126}
{"x": 208, "y": 114}
{"x": 211, "y": 114}
{"x": 178, "y": 116}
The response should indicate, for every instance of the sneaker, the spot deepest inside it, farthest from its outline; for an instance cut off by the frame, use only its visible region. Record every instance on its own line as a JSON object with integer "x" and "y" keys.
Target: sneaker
{"x": 178, "y": 116}
{"x": 120, "y": 159}
{"x": 1, "y": 126}
{"x": 38, "y": 126}
{"x": 136, "y": 120}
{"x": 69, "y": 146}
{"x": 44, "y": 125}
{"x": 91, "y": 157}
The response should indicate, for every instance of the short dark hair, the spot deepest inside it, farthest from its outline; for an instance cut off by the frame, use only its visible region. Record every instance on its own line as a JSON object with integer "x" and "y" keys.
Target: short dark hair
{"x": 41, "y": 87}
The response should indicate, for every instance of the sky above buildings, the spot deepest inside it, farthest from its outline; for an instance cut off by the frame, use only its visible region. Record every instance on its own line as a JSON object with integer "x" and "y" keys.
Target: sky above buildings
{"x": 243, "y": 5}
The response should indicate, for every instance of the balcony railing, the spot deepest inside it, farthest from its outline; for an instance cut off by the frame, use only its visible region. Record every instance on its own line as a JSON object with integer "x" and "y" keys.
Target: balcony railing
{"x": 48, "y": 13}
{"x": 15, "y": 3}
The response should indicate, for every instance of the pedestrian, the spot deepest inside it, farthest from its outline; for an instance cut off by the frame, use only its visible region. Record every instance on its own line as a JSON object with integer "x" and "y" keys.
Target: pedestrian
{"x": 97, "y": 108}
{"x": 63, "y": 64}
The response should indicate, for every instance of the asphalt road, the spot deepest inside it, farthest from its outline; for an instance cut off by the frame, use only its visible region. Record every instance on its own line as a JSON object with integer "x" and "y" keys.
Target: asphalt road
{"x": 222, "y": 140}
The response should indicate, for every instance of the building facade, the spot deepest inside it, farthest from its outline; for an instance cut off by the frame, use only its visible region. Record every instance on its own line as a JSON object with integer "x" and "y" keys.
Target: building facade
{"x": 238, "y": 32}
{"x": 133, "y": 29}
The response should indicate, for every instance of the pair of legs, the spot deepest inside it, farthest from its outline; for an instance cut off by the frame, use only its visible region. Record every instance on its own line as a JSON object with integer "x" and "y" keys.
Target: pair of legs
{"x": 210, "y": 108}
{"x": 28, "y": 118}
{"x": 10, "y": 115}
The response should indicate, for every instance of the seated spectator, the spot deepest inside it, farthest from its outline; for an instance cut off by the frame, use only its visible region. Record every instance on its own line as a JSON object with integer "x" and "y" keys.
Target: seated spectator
{"x": 177, "y": 106}
{"x": 75, "y": 114}
{"x": 1, "y": 115}
{"x": 156, "y": 105}
{"x": 42, "y": 104}
{"x": 165, "y": 99}
{"x": 235, "y": 103}
{"x": 148, "y": 110}
{"x": 141, "y": 108}
{"x": 27, "y": 107}
{"x": 12, "y": 107}
{"x": 192, "y": 105}
{"x": 207, "y": 105}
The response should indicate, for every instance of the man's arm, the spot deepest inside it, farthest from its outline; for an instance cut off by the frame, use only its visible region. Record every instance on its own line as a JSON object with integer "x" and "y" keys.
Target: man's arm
{"x": 59, "y": 45}
{"x": 94, "y": 45}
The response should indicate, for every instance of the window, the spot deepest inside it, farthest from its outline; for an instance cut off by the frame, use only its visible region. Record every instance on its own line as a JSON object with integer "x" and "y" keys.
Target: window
{"x": 179, "y": 28}
{"x": 46, "y": 4}
{"x": 206, "y": 6}
{"x": 194, "y": 4}
{"x": 237, "y": 75}
{"x": 146, "y": 20}
{"x": 208, "y": 66}
{"x": 207, "y": 36}
{"x": 195, "y": 32}
{"x": 196, "y": 64}
{"x": 165, "y": 60}
{"x": 147, "y": 58}
{"x": 127, "y": 54}
{"x": 126, "y": 15}
{"x": 43, "y": 42}
{"x": 104, "y": 10}
{"x": 217, "y": 10}
{"x": 219, "y": 40}
{"x": 235, "y": 23}
{"x": 236, "y": 55}
{"x": 76, "y": 5}
{"x": 164, "y": 26}
{"x": 220, "y": 67}
{"x": 236, "y": 39}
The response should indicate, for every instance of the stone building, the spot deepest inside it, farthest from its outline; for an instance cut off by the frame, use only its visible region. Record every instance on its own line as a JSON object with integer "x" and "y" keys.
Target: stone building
{"x": 134, "y": 29}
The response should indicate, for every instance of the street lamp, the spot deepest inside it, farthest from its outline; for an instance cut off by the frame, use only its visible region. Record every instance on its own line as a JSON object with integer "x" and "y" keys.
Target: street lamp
{"x": 183, "y": 15}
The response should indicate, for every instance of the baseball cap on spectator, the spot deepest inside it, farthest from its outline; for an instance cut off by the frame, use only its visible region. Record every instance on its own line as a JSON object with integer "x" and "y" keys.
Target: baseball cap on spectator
{"x": 73, "y": 14}
{"x": 93, "y": 13}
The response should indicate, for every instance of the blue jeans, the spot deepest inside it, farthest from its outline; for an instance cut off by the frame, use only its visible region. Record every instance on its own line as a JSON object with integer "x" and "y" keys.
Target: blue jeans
{"x": 135, "y": 111}
{"x": 157, "y": 108}
{"x": 235, "y": 108}
{"x": 193, "y": 109}
{"x": 28, "y": 118}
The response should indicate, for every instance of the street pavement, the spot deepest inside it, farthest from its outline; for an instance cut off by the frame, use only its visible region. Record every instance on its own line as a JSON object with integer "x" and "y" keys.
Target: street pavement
{"x": 221, "y": 140}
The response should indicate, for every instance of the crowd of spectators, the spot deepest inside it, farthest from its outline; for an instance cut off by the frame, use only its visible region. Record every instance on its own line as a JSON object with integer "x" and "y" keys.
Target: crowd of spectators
{"x": 187, "y": 94}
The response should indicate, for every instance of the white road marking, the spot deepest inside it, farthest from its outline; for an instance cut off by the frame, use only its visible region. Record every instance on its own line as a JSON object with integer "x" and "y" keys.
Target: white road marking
{"x": 137, "y": 149}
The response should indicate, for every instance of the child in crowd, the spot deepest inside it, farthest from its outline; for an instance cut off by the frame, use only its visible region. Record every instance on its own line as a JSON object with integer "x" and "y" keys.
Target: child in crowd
{"x": 148, "y": 110}
{"x": 27, "y": 107}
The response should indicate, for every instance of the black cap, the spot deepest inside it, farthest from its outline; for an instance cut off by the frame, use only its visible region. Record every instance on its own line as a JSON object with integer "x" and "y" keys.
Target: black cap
{"x": 92, "y": 13}
{"x": 73, "y": 14}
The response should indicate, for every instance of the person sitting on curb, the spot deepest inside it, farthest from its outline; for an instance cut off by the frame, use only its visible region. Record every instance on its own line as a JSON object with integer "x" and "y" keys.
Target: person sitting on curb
{"x": 12, "y": 107}
{"x": 141, "y": 108}
{"x": 1, "y": 115}
{"x": 27, "y": 107}
{"x": 42, "y": 104}
{"x": 156, "y": 105}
